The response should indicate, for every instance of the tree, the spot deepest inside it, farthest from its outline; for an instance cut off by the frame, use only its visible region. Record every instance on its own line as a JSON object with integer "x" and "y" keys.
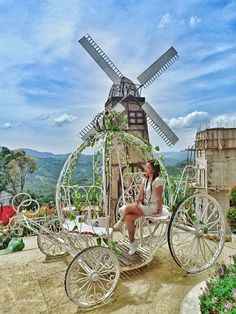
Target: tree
{"x": 15, "y": 168}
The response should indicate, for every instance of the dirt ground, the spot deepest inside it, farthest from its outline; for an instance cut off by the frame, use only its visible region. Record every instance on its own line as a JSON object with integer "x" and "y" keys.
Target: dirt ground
{"x": 31, "y": 284}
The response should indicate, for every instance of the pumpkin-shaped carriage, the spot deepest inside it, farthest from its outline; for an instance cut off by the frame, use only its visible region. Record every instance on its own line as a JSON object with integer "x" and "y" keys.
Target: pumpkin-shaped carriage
{"x": 194, "y": 229}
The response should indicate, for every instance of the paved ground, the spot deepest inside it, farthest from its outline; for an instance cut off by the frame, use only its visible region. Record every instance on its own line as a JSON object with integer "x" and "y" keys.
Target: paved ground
{"x": 29, "y": 284}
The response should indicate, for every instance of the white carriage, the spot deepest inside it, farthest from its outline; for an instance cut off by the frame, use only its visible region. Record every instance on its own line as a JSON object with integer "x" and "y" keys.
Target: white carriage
{"x": 194, "y": 230}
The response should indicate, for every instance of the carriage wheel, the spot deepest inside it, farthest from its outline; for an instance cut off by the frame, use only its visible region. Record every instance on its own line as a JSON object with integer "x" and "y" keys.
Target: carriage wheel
{"x": 92, "y": 276}
{"x": 196, "y": 233}
{"x": 45, "y": 243}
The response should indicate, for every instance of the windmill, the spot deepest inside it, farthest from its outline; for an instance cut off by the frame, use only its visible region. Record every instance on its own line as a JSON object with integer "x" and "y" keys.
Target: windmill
{"x": 125, "y": 96}
{"x": 125, "y": 92}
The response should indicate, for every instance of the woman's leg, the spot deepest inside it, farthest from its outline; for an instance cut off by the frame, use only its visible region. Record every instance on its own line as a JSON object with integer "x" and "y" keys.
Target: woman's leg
{"x": 130, "y": 224}
{"x": 132, "y": 212}
{"x": 131, "y": 209}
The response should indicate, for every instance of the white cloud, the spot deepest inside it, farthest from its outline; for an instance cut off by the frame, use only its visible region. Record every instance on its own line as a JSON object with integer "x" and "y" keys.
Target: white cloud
{"x": 192, "y": 120}
{"x": 165, "y": 20}
{"x": 6, "y": 126}
{"x": 224, "y": 120}
{"x": 194, "y": 20}
{"x": 63, "y": 119}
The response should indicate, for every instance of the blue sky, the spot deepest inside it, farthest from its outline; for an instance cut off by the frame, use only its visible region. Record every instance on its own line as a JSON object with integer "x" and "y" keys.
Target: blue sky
{"x": 50, "y": 88}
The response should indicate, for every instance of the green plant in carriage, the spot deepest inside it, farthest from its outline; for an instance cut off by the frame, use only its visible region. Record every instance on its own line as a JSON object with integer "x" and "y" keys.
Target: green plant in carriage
{"x": 188, "y": 214}
{"x": 112, "y": 244}
{"x": 219, "y": 295}
{"x": 78, "y": 200}
{"x": 95, "y": 198}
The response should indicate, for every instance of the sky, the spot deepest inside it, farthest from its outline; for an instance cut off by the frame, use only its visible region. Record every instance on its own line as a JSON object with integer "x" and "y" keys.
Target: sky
{"x": 50, "y": 88}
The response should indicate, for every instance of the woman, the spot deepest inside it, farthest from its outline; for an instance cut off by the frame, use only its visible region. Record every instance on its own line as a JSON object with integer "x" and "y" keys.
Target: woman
{"x": 147, "y": 202}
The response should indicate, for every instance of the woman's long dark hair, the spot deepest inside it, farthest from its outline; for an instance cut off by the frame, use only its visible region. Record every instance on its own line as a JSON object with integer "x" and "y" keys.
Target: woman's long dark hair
{"x": 156, "y": 167}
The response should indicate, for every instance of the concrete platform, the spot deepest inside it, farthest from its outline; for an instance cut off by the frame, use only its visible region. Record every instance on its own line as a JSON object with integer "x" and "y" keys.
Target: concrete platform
{"x": 29, "y": 284}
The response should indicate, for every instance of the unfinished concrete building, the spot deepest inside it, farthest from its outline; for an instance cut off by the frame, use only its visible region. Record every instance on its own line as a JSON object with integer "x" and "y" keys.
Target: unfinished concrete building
{"x": 215, "y": 150}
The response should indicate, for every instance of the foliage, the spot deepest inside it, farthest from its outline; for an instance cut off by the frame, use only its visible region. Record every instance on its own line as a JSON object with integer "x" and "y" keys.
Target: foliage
{"x": 15, "y": 168}
{"x": 231, "y": 218}
{"x": 219, "y": 296}
{"x": 113, "y": 245}
{"x": 232, "y": 195}
{"x": 176, "y": 170}
{"x": 79, "y": 200}
{"x": 4, "y": 241}
{"x": 231, "y": 212}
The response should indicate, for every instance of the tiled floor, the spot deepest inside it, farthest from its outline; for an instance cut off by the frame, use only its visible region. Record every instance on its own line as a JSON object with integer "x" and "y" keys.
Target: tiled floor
{"x": 30, "y": 285}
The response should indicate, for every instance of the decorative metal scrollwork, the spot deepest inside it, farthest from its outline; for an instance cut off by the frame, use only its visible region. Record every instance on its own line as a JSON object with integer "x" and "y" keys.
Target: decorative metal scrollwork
{"x": 23, "y": 202}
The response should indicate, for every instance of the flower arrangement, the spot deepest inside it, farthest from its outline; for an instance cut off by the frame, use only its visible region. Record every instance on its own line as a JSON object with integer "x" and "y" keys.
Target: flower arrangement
{"x": 219, "y": 295}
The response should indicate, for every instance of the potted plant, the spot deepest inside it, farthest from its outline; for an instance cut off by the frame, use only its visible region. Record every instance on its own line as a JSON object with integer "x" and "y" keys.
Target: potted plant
{"x": 231, "y": 212}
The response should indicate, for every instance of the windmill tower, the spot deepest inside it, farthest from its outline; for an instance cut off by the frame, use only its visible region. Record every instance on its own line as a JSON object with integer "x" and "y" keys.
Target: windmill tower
{"x": 125, "y": 96}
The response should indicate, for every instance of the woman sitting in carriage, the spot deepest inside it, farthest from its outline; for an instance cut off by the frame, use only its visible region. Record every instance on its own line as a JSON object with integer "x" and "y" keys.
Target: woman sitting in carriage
{"x": 148, "y": 201}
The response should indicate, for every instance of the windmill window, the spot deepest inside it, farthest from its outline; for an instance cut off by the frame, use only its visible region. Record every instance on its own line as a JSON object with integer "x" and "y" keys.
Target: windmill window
{"x": 140, "y": 121}
{"x": 136, "y": 117}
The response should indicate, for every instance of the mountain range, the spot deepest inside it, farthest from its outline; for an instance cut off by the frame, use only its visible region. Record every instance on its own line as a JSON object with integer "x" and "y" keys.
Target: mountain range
{"x": 43, "y": 181}
{"x": 171, "y": 158}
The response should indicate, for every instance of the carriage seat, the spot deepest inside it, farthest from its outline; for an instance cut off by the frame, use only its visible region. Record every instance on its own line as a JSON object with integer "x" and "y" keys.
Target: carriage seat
{"x": 165, "y": 214}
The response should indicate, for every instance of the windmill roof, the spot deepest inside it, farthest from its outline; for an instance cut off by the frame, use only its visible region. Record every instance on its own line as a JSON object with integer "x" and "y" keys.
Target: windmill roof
{"x": 125, "y": 87}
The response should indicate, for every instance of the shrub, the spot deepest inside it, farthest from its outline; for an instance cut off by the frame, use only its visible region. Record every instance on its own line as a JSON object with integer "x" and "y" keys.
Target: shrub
{"x": 219, "y": 296}
{"x": 231, "y": 215}
{"x": 231, "y": 212}
{"x": 232, "y": 195}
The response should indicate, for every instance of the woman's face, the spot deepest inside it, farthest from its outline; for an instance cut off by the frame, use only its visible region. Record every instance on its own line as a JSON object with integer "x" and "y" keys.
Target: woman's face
{"x": 148, "y": 169}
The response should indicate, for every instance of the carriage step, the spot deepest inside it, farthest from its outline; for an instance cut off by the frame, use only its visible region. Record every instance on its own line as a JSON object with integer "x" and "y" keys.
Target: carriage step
{"x": 128, "y": 262}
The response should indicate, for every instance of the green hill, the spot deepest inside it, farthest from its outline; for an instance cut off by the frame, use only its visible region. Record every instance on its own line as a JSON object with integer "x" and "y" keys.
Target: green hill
{"x": 43, "y": 182}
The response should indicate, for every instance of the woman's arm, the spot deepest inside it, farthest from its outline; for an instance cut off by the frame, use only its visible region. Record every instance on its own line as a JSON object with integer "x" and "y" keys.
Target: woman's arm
{"x": 139, "y": 196}
{"x": 159, "y": 192}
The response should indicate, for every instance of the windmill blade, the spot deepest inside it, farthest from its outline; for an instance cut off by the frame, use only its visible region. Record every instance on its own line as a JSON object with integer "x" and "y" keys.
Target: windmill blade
{"x": 101, "y": 58}
{"x": 158, "y": 67}
{"x": 90, "y": 128}
{"x": 88, "y": 131}
{"x": 159, "y": 125}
